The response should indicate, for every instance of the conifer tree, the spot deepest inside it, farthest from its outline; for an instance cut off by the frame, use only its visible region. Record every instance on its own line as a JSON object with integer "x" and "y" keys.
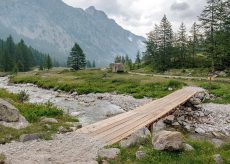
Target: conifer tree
{"x": 48, "y": 62}
{"x": 76, "y": 60}
{"x": 138, "y": 59}
{"x": 182, "y": 43}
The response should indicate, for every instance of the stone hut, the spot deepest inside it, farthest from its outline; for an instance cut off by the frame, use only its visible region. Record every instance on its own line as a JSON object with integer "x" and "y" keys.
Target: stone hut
{"x": 117, "y": 67}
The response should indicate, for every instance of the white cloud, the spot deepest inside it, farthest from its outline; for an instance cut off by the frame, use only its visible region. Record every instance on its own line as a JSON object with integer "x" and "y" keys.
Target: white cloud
{"x": 139, "y": 16}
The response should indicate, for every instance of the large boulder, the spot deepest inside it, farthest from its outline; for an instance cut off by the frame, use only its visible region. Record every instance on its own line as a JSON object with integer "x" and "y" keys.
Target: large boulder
{"x": 136, "y": 138}
{"x": 8, "y": 112}
{"x": 168, "y": 140}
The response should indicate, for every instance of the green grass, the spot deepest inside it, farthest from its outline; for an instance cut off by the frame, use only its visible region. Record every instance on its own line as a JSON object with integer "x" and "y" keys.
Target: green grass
{"x": 94, "y": 81}
{"x": 220, "y": 90}
{"x": 33, "y": 114}
{"x": 203, "y": 154}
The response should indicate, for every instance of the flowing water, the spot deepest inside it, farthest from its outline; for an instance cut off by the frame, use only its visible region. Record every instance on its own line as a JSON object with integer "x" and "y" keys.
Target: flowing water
{"x": 88, "y": 109}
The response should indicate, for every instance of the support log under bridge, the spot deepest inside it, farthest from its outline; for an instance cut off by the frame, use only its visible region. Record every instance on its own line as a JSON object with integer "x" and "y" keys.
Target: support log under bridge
{"x": 121, "y": 126}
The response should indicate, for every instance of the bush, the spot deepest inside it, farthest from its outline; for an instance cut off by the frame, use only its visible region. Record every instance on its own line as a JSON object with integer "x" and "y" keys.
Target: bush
{"x": 23, "y": 96}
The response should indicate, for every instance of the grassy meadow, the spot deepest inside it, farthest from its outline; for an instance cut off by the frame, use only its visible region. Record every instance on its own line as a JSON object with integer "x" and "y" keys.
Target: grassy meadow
{"x": 98, "y": 81}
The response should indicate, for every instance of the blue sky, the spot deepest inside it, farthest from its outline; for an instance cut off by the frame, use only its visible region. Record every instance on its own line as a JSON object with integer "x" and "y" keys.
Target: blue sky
{"x": 139, "y": 16}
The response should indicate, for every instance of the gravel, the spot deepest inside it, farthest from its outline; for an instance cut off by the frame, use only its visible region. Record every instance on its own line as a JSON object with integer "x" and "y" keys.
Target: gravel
{"x": 65, "y": 148}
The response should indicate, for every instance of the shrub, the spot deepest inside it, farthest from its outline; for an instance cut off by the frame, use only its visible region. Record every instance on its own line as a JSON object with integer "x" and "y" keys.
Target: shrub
{"x": 23, "y": 96}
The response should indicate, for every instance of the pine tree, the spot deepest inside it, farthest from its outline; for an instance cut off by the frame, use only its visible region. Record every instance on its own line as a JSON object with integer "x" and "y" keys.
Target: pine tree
{"x": 165, "y": 44}
{"x": 48, "y": 62}
{"x": 76, "y": 60}
{"x": 211, "y": 22}
{"x": 138, "y": 59}
{"x": 194, "y": 41}
{"x": 182, "y": 42}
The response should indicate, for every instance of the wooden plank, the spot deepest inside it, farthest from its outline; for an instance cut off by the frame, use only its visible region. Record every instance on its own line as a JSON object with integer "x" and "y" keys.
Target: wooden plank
{"x": 108, "y": 125}
{"x": 124, "y": 122}
{"x": 115, "y": 138}
{"x": 104, "y": 123}
{"x": 116, "y": 128}
{"x": 133, "y": 123}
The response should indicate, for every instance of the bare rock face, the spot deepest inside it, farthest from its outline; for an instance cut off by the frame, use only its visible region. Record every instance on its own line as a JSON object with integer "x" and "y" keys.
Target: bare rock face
{"x": 8, "y": 112}
{"x": 168, "y": 140}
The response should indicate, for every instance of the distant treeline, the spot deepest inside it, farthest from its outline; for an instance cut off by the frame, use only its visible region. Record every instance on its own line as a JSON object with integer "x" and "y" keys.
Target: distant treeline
{"x": 16, "y": 57}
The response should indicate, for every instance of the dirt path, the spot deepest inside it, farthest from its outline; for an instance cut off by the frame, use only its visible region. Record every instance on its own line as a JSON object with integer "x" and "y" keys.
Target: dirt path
{"x": 182, "y": 77}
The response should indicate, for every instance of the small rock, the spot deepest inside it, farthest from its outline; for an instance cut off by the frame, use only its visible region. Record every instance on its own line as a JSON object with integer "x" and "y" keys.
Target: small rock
{"x": 200, "y": 131}
{"x": 140, "y": 154}
{"x": 201, "y": 114}
{"x": 28, "y": 137}
{"x": 73, "y": 129}
{"x": 195, "y": 101}
{"x": 75, "y": 124}
{"x": 170, "y": 89}
{"x": 48, "y": 120}
{"x": 200, "y": 95}
{"x": 169, "y": 119}
{"x": 188, "y": 147}
{"x": 218, "y": 158}
{"x": 104, "y": 162}
{"x": 48, "y": 126}
{"x": 61, "y": 129}
{"x": 187, "y": 127}
{"x": 218, "y": 134}
{"x": 75, "y": 114}
{"x": 182, "y": 118}
{"x": 158, "y": 126}
{"x": 168, "y": 140}
{"x": 217, "y": 143}
{"x": 135, "y": 138}
{"x": 176, "y": 124}
{"x": 189, "y": 109}
{"x": 111, "y": 153}
{"x": 198, "y": 106}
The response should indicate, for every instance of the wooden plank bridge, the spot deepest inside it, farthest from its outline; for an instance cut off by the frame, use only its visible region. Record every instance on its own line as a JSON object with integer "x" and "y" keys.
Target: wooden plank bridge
{"x": 121, "y": 126}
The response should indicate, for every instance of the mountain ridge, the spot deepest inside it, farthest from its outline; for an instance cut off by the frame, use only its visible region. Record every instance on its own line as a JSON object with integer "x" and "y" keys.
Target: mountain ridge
{"x": 53, "y": 27}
